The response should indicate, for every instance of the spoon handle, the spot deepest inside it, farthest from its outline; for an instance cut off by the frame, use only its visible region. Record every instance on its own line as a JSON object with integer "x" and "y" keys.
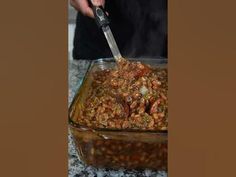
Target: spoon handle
{"x": 102, "y": 21}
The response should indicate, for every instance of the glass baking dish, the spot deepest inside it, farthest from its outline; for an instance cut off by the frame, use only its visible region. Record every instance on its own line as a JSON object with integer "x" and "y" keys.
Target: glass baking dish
{"x": 109, "y": 148}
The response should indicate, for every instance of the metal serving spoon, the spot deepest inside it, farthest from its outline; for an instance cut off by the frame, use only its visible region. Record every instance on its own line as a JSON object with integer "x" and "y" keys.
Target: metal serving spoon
{"x": 102, "y": 21}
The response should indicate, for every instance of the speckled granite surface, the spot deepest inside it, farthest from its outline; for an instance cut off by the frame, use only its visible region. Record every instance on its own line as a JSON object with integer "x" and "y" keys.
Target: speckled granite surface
{"x": 76, "y": 167}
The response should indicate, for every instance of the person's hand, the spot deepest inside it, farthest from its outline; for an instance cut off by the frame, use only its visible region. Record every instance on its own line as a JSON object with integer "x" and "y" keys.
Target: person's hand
{"x": 83, "y": 6}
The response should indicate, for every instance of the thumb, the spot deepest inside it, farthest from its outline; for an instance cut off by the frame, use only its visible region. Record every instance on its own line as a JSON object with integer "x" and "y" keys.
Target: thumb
{"x": 98, "y": 2}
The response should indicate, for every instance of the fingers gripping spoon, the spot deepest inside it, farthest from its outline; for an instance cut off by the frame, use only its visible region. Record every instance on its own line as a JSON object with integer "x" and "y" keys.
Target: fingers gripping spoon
{"x": 103, "y": 23}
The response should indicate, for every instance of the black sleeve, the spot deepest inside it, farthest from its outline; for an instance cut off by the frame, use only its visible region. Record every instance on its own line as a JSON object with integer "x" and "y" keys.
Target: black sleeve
{"x": 89, "y": 42}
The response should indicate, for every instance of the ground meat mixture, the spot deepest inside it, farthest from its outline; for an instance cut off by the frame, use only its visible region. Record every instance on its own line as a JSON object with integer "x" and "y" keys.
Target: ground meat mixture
{"x": 130, "y": 96}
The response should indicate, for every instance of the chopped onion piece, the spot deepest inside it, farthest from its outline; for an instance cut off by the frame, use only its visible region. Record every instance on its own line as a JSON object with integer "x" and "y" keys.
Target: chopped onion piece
{"x": 143, "y": 90}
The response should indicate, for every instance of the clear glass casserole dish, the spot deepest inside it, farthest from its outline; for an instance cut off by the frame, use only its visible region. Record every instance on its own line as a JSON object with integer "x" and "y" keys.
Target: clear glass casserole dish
{"x": 109, "y": 148}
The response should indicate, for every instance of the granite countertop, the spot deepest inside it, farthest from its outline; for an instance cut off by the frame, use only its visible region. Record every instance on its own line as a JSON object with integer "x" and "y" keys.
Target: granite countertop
{"x": 76, "y": 168}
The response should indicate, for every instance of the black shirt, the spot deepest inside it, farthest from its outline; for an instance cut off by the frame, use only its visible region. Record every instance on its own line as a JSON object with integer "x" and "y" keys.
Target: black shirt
{"x": 139, "y": 27}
